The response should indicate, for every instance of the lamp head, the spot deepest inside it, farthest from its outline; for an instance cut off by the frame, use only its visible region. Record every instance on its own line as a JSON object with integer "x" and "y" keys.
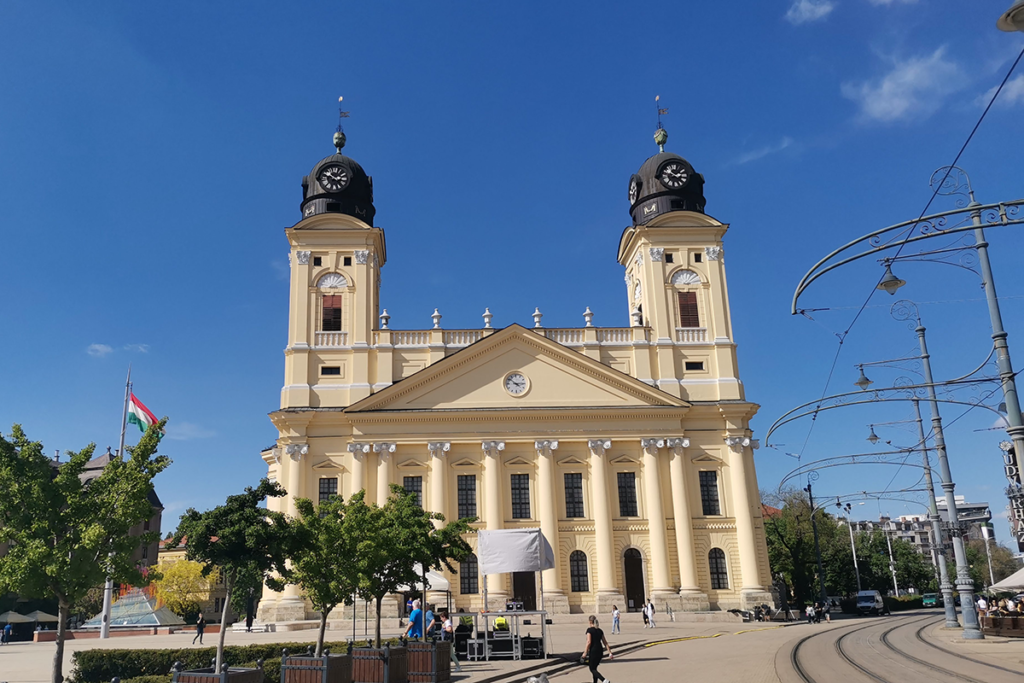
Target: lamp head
{"x": 872, "y": 437}
{"x": 1013, "y": 18}
{"x": 890, "y": 283}
{"x": 863, "y": 382}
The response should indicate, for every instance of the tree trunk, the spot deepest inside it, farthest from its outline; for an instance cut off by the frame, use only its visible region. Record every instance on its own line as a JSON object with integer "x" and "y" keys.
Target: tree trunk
{"x": 379, "y": 599}
{"x": 228, "y": 585}
{"x": 63, "y": 614}
{"x": 323, "y": 630}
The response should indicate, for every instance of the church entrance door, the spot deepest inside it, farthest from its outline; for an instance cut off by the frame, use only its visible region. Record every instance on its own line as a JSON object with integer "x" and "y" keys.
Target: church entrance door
{"x": 634, "y": 573}
{"x": 524, "y": 589}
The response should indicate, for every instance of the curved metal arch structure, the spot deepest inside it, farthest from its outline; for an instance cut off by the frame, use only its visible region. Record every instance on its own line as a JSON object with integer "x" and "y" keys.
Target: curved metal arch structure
{"x": 1000, "y": 214}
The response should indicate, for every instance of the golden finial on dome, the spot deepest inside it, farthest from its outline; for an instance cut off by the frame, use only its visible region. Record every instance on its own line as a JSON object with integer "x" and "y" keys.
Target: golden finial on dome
{"x": 339, "y": 135}
{"x": 660, "y": 135}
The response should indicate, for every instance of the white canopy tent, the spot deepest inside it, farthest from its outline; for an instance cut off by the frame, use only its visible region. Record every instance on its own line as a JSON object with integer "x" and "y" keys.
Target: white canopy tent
{"x": 435, "y": 582}
{"x": 14, "y": 618}
{"x": 42, "y": 617}
{"x": 1013, "y": 582}
{"x": 504, "y": 551}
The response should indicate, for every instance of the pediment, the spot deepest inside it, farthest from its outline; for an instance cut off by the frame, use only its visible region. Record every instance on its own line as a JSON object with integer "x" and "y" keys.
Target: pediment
{"x": 329, "y": 465}
{"x": 517, "y": 461}
{"x": 465, "y": 462}
{"x": 411, "y": 465}
{"x": 556, "y": 377}
{"x": 572, "y": 460}
{"x": 705, "y": 457}
{"x": 623, "y": 460}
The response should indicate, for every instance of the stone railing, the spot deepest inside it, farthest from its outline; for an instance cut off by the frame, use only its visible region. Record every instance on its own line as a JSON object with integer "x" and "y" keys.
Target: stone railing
{"x": 328, "y": 339}
{"x": 568, "y": 336}
{"x": 410, "y": 337}
{"x": 692, "y": 335}
{"x": 462, "y": 337}
{"x": 615, "y": 335}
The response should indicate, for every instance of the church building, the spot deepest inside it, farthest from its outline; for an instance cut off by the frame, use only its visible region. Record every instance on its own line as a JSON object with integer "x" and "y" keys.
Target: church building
{"x": 629, "y": 447}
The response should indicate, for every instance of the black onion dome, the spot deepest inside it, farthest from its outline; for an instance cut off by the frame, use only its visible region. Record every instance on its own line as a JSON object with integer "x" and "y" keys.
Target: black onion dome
{"x": 338, "y": 184}
{"x": 654, "y": 196}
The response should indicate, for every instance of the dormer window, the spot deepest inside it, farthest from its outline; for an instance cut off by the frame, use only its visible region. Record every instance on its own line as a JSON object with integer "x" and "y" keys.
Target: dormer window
{"x": 331, "y": 319}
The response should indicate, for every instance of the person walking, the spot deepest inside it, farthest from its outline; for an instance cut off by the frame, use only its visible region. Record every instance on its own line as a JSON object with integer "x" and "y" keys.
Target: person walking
{"x": 448, "y": 634}
{"x": 6, "y": 640}
{"x": 615, "y": 619}
{"x": 643, "y": 611}
{"x": 809, "y": 611}
{"x": 200, "y": 627}
{"x": 650, "y": 612}
{"x": 828, "y": 611}
{"x": 594, "y": 649}
{"x": 414, "y": 629}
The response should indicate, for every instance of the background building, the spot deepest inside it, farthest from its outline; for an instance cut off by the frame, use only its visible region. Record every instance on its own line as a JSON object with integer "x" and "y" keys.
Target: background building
{"x": 628, "y": 447}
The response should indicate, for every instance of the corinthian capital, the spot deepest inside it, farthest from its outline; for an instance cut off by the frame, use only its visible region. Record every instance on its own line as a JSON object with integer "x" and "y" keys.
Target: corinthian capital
{"x": 492, "y": 448}
{"x": 296, "y": 450}
{"x": 438, "y": 448}
{"x": 544, "y": 447}
{"x": 652, "y": 445}
{"x": 599, "y": 446}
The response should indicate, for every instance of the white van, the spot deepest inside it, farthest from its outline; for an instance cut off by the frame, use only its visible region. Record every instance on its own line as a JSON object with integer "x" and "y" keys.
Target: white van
{"x": 871, "y": 602}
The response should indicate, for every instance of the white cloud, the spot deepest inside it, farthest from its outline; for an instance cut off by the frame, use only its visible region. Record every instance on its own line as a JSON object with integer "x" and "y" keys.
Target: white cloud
{"x": 98, "y": 350}
{"x": 137, "y": 348}
{"x": 1013, "y": 93}
{"x": 281, "y": 269}
{"x": 763, "y": 151}
{"x": 804, "y": 11}
{"x": 913, "y": 88}
{"x": 187, "y": 431}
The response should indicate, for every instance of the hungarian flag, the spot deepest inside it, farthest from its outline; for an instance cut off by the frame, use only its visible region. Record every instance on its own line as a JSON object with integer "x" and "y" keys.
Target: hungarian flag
{"x": 140, "y": 415}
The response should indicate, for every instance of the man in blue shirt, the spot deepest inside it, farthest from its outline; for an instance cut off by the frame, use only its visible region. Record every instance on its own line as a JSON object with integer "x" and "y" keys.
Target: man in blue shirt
{"x": 429, "y": 624}
{"x": 415, "y": 626}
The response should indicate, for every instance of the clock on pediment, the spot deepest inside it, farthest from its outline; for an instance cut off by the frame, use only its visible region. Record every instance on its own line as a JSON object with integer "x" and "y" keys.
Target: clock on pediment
{"x": 516, "y": 384}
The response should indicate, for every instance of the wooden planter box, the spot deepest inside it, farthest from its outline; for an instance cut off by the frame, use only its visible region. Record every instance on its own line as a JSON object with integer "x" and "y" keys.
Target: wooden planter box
{"x": 1010, "y": 627}
{"x": 380, "y": 665}
{"x": 430, "y": 662}
{"x": 208, "y": 675}
{"x": 306, "y": 669}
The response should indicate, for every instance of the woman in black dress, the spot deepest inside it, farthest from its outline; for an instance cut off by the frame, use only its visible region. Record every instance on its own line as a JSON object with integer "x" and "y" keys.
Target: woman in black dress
{"x": 594, "y": 650}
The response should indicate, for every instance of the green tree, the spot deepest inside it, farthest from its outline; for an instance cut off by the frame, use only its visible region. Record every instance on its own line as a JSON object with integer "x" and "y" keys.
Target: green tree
{"x": 183, "y": 587}
{"x": 1003, "y": 562}
{"x": 912, "y": 568}
{"x": 65, "y": 536}
{"x": 248, "y": 585}
{"x": 323, "y": 562}
{"x": 391, "y": 539}
{"x": 234, "y": 537}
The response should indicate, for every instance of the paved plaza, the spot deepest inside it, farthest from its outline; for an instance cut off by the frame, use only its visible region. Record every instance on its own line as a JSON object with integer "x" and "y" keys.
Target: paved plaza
{"x": 907, "y": 648}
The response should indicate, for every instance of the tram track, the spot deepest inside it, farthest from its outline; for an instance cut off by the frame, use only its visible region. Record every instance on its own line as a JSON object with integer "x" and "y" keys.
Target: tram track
{"x": 973, "y": 660}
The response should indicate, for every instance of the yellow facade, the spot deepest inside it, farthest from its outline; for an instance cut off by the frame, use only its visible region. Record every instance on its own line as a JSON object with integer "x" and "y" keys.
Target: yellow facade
{"x": 637, "y": 412}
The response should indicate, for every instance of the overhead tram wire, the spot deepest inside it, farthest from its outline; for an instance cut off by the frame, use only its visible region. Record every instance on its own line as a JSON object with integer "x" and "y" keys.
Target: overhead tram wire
{"x": 843, "y": 335}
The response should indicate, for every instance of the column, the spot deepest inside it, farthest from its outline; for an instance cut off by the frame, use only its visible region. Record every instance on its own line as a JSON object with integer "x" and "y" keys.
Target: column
{"x": 693, "y": 599}
{"x": 266, "y": 612}
{"x": 744, "y": 516}
{"x": 383, "y": 451}
{"x": 657, "y": 528}
{"x": 359, "y": 452}
{"x": 438, "y": 477}
{"x": 494, "y": 514}
{"x": 555, "y": 600}
{"x": 607, "y": 592}
{"x": 292, "y": 606}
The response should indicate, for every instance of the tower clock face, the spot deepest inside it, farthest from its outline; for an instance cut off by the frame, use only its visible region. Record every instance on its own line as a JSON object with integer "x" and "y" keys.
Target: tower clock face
{"x": 515, "y": 383}
{"x": 634, "y": 189}
{"x": 333, "y": 178}
{"x": 673, "y": 175}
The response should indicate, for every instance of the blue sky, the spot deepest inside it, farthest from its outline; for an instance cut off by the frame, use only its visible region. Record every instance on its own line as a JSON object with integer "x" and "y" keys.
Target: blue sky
{"x": 150, "y": 156}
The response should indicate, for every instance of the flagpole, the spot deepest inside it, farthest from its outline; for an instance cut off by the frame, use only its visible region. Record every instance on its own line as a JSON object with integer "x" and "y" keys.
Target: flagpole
{"x": 108, "y": 588}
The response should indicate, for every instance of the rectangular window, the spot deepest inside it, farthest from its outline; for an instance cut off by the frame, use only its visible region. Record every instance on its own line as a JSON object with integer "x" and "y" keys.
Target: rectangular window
{"x": 145, "y": 552}
{"x": 467, "y": 497}
{"x": 468, "y": 575}
{"x": 331, "y": 321}
{"x": 694, "y": 365}
{"x": 414, "y": 485}
{"x": 668, "y": 258}
{"x": 709, "y": 493}
{"x": 698, "y": 257}
{"x": 328, "y": 488}
{"x": 573, "y": 494}
{"x": 330, "y": 370}
{"x": 688, "y": 316}
{"x": 317, "y": 261}
{"x": 627, "y": 494}
{"x": 520, "y": 496}
{"x": 348, "y": 261}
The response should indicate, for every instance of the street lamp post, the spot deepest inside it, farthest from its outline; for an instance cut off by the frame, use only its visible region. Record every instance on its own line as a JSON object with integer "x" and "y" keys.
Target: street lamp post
{"x": 853, "y": 548}
{"x": 907, "y": 310}
{"x": 934, "y": 529}
{"x": 811, "y": 477}
{"x": 892, "y": 561}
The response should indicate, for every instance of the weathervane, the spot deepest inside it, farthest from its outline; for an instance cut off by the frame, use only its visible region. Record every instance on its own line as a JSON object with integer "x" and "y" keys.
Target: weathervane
{"x": 339, "y": 136}
{"x": 660, "y": 136}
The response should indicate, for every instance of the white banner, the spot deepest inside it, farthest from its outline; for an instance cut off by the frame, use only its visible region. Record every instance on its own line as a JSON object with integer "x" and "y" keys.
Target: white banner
{"x": 513, "y": 550}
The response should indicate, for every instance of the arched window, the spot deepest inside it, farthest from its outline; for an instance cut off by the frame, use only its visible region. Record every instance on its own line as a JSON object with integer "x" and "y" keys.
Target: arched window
{"x": 468, "y": 576}
{"x": 689, "y": 312}
{"x": 578, "y": 579}
{"x": 719, "y": 572}
{"x": 331, "y": 318}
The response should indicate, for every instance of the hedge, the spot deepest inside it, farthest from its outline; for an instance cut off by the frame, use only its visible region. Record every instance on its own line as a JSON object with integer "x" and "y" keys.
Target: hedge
{"x": 99, "y": 666}
{"x": 904, "y": 602}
